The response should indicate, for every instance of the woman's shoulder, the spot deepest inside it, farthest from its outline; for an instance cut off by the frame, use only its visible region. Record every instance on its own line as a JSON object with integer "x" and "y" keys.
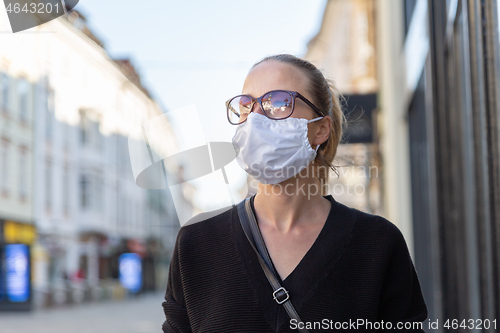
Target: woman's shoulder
{"x": 373, "y": 237}
{"x": 372, "y": 226}
{"x": 213, "y": 224}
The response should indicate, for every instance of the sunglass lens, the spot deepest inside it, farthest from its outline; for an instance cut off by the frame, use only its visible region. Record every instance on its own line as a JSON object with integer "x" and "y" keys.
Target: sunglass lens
{"x": 239, "y": 108}
{"x": 277, "y": 104}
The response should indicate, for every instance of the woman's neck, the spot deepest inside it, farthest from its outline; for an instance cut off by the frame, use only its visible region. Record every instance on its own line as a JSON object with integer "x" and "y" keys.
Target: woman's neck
{"x": 294, "y": 202}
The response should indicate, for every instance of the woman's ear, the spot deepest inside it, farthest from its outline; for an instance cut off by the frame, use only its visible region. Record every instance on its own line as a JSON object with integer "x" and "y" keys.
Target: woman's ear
{"x": 323, "y": 129}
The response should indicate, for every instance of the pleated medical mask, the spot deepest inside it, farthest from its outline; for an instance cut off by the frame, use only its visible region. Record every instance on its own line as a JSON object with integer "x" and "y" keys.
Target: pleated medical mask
{"x": 272, "y": 151}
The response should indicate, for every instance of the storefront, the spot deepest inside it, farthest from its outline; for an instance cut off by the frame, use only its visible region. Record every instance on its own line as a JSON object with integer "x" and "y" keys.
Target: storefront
{"x": 16, "y": 240}
{"x": 454, "y": 125}
{"x": 131, "y": 264}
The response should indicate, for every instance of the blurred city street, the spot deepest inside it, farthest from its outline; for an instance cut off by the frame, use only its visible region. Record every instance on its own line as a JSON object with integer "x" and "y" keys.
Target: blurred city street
{"x": 114, "y": 135}
{"x": 141, "y": 315}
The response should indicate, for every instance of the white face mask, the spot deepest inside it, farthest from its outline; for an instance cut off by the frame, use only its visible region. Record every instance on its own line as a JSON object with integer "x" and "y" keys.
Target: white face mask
{"x": 272, "y": 151}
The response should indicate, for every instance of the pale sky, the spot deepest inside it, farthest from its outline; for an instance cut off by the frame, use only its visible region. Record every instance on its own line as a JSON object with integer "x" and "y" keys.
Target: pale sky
{"x": 199, "y": 52}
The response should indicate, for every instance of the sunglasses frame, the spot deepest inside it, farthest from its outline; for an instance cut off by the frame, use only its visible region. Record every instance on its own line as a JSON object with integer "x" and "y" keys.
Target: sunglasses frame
{"x": 294, "y": 95}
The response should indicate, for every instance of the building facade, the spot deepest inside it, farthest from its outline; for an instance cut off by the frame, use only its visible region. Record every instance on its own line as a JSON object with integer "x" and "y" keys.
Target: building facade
{"x": 17, "y": 199}
{"x": 345, "y": 50}
{"x": 435, "y": 71}
{"x": 440, "y": 102}
{"x": 66, "y": 127}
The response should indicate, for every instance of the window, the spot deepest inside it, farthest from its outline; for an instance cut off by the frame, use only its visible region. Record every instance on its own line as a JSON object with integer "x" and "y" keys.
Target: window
{"x": 132, "y": 215}
{"x": 140, "y": 209}
{"x": 23, "y": 174}
{"x": 128, "y": 217}
{"x": 97, "y": 135}
{"x": 67, "y": 134}
{"x": 66, "y": 189}
{"x": 91, "y": 191}
{"x": 4, "y": 92}
{"x": 84, "y": 192}
{"x": 48, "y": 184}
{"x": 122, "y": 211}
{"x": 23, "y": 94}
{"x": 98, "y": 190}
{"x": 4, "y": 164}
{"x": 49, "y": 111}
{"x": 84, "y": 128}
{"x": 90, "y": 135}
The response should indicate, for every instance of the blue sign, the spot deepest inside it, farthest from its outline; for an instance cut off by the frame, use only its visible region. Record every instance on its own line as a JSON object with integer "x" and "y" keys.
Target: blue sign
{"x": 130, "y": 271}
{"x": 18, "y": 272}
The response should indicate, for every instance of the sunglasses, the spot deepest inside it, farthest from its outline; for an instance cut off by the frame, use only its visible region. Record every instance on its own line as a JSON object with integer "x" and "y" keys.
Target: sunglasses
{"x": 276, "y": 104}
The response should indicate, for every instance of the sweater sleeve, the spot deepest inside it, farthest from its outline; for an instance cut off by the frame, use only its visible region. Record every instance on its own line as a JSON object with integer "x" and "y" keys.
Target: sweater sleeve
{"x": 401, "y": 297}
{"x": 177, "y": 320}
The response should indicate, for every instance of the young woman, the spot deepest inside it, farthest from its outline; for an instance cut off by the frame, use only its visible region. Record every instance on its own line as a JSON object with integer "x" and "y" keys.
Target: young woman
{"x": 342, "y": 269}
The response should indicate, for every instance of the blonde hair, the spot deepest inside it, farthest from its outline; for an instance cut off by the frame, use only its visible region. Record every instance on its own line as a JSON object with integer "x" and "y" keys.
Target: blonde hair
{"x": 326, "y": 97}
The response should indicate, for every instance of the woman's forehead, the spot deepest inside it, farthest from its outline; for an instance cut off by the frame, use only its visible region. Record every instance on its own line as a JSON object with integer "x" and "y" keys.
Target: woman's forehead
{"x": 272, "y": 75}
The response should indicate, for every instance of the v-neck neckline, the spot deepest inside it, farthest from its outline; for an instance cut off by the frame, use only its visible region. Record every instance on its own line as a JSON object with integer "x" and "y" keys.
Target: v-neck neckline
{"x": 312, "y": 268}
{"x": 316, "y": 241}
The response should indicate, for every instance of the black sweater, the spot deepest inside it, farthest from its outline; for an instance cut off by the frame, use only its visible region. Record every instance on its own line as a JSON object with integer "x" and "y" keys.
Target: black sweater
{"x": 359, "y": 267}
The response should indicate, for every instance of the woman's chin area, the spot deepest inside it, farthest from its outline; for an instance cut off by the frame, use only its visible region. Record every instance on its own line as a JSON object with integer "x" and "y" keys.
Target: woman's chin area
{"x": 304, "y": 185}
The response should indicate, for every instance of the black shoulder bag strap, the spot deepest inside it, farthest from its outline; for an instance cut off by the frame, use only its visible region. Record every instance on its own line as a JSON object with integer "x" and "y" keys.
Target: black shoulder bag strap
{"x": 251, "y": 228}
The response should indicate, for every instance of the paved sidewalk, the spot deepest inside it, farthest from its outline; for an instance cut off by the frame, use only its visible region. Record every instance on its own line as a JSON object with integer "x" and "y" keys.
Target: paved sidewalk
{"x": 141, "y": 315}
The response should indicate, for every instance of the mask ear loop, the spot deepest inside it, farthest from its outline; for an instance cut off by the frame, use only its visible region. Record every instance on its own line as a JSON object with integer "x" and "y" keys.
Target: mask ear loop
{"x": 310, "y": 121}
{"x": 315, "y": 119}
